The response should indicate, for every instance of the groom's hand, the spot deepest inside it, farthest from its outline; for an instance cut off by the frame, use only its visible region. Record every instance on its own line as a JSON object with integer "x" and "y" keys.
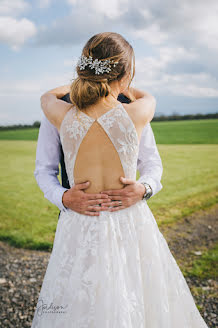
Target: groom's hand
{"x": 129, "y": 195}
{"x": 77, "y": 200}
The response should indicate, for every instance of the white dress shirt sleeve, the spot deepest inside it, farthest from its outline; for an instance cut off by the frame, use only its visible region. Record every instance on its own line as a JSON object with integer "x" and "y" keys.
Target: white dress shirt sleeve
{"x": 47, "y": 163}
{"x": 149, "y": 161}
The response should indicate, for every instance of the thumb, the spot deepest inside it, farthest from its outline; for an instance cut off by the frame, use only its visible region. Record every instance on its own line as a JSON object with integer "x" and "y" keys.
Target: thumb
{"x": 126, "y": 181}
{"x": 83, "y": 185}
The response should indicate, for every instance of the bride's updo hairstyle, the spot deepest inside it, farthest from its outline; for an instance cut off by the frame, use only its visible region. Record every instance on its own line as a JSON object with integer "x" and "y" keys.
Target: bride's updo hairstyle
{"x": 88, "y": 87}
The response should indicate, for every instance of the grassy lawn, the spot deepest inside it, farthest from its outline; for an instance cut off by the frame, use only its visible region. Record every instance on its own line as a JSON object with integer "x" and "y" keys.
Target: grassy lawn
{"x": 29, "y": 220}
{"x": 186, "y": 170}
{"x": 20, "y": 134}
{"x": 186, "y": 132}
{"x": 169, "y": 132}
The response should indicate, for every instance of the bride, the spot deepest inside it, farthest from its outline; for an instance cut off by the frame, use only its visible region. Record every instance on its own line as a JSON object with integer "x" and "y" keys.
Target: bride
{"x": 114, "y": 270}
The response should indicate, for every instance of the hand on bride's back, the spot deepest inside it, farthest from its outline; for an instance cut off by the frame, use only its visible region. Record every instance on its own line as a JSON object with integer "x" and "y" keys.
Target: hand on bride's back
{"x": 84, "y": 203}
{"x": 129, "y": 195}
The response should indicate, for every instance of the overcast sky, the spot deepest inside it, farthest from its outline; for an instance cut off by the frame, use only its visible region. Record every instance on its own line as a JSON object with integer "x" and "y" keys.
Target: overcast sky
{"x": 175, "y": 44}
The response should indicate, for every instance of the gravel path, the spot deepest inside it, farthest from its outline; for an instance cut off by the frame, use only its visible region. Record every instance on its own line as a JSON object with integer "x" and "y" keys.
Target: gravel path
{"x": 22, "y": 271}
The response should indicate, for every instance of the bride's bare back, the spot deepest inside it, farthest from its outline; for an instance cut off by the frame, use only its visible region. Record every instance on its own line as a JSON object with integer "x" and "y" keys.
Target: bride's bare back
{"x": 98, "y": 161}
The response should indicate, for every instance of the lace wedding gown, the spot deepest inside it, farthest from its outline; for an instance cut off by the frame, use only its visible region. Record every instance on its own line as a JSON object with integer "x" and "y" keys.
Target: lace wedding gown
{"x": 114, "y": 270}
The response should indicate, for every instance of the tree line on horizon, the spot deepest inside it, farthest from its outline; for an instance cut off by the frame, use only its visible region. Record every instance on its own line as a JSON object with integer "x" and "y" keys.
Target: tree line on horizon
{"x": 162, "y": 117}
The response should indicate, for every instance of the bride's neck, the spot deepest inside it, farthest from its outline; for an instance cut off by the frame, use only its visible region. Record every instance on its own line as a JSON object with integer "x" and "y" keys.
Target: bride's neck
{"x": 104, "y": 103}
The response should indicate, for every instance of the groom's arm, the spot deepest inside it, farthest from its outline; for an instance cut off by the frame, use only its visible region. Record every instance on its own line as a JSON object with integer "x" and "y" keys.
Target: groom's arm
{"x": 47, "y": 163}
{"x": 149, "y": 161}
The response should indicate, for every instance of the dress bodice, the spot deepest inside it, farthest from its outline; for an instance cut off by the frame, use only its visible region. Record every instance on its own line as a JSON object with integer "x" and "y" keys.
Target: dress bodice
{"x": 119, "y": 128}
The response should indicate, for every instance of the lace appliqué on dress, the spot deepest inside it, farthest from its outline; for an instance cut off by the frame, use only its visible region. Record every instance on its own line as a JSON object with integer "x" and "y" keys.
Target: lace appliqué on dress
{"x": 73, "y": 129}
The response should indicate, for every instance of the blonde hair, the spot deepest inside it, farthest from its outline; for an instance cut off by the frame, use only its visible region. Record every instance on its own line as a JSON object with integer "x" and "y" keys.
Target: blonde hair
{"x": 89, "y": 87}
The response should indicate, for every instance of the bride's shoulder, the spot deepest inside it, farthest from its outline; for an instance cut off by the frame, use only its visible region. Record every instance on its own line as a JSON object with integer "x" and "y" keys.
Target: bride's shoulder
{"x": 141, "y": 110}
{"x": 54, "y": 109}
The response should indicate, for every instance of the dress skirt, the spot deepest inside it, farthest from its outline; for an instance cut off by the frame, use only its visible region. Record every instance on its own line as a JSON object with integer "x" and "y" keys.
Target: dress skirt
{"x": 114, "y": 270}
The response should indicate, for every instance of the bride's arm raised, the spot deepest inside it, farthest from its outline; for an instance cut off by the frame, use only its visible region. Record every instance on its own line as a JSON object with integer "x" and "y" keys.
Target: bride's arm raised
{"x": 54, "y": 108}
{"x": 142, "y": 109}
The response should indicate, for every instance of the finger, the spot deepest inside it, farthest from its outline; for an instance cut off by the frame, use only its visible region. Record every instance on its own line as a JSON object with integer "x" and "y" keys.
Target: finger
{"x": 117, "y": 208}
{"x": 96, "y": 196}
{"x": 112, "y": 204}
{"x": 113, "y": 192}
{"x": 116, "y": 197}
{"x": 91, "y": 213}
{"x": 98, "y": 201}
{"x": 107, "y": 204}
{"x": 81, "y": 186}
{"x": 97, "y": 208}
{"x": 126, "y": 181}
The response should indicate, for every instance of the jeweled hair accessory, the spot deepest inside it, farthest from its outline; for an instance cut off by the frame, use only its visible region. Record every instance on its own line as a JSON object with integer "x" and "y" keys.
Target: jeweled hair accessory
{"x": 100, "y": 66}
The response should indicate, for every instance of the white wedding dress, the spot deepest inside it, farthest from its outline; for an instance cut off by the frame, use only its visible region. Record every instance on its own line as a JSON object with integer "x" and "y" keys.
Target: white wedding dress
{"x": 114, "y": 270}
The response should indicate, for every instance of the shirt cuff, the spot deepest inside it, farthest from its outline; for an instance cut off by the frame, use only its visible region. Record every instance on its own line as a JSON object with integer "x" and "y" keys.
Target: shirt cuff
{"x": 58, "y": 197}
{"x": 151, "y": 182}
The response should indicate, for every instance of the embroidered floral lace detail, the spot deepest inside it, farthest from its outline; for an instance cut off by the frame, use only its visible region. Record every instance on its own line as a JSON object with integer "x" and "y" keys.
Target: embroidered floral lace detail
{"x": 73, "y": 129}
{"x": 114, "y": 271}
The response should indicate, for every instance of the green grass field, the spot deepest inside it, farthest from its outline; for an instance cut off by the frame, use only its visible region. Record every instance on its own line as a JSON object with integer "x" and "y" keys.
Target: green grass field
{"x": 20, "y": 134}
{"x": 168, "y": 132}
{"x": 186, "y": 132}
